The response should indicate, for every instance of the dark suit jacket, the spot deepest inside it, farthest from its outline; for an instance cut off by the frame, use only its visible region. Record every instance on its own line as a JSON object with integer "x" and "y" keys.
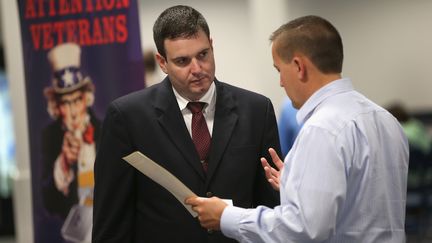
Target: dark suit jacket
{"x": 52, "y": 140}
{"x": 130, "y": 207}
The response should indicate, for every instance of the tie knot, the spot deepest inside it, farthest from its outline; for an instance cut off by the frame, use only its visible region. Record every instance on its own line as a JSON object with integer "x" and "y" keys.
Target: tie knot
{"x": 195, "y": 107}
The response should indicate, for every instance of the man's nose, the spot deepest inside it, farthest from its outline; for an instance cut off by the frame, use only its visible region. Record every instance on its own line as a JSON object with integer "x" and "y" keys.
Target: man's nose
{"x": 73, "y": 110}
{"x": 195, "y": 66}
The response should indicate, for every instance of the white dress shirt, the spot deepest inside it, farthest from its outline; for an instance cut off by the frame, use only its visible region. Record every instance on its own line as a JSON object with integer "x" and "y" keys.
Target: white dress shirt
{"x": 343, "y": 181}
{"x": 208, "y": 111}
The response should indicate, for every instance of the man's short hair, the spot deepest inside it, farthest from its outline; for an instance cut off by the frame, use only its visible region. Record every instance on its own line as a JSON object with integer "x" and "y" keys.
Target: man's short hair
{"x": 177, "y": 21}
{"x": 314, "y": 37}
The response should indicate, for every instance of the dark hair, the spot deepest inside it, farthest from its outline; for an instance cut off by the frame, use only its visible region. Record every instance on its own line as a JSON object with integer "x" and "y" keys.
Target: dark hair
{"x": 314, "y": 37}
{"x": 177, "y": 21}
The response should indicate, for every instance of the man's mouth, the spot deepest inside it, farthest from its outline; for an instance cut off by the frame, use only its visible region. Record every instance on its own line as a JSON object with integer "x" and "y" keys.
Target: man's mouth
{"x": 198, "y": 81}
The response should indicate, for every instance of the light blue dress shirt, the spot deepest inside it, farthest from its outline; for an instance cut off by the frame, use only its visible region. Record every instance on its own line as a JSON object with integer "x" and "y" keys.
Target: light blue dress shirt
{"x": 344, "y": 180}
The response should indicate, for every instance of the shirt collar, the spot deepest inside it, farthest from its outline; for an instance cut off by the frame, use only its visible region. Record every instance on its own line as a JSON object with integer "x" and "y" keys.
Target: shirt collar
{"x": 330, "y": 89}
{"x": 209, "y": 98}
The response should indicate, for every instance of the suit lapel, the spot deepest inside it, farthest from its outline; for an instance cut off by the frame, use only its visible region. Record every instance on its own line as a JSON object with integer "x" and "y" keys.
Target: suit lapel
{"x": 224, "y": 123}
{"x": 172, "y": 122}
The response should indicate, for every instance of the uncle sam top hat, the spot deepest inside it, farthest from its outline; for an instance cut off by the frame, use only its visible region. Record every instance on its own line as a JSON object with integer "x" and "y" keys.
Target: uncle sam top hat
{"x": 67, "y": 77}
{"x": 65, "y": 60}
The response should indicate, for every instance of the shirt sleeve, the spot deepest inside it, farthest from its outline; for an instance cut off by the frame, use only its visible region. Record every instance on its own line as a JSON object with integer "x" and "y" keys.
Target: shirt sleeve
{"x": 233, "y": 219}
{"x": 230, "y": 216}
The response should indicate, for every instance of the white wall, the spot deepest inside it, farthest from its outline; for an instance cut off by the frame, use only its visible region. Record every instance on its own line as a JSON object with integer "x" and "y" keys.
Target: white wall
{"x": 387, "y": 46}
{"x": 387, "y": 43}
{"x": 14, "y": 65}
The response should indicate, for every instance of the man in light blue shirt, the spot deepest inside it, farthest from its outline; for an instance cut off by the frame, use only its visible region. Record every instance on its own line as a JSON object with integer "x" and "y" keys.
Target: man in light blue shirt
{"x": 345, "y": 178}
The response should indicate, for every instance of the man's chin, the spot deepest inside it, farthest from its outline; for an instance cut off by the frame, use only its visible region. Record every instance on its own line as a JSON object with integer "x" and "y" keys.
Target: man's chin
{"x": 201, "y": 86}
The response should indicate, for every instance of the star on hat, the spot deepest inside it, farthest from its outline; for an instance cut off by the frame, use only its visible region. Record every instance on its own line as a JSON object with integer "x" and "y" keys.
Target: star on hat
{"x": 65, "y": 63}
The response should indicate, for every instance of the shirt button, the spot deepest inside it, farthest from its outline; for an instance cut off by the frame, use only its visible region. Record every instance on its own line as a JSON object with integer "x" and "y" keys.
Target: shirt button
{"x": 209, "y": 194}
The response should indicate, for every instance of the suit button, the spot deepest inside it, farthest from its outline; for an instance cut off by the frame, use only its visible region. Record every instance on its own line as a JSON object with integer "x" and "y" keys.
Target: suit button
{"x": 210, "y": 231}
{"x": 209, "y": 194}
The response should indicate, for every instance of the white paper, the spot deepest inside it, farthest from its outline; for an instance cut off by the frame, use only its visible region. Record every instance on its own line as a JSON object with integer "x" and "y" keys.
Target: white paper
{"x": 161, "y": 176}
{"x": 228, "y": 201}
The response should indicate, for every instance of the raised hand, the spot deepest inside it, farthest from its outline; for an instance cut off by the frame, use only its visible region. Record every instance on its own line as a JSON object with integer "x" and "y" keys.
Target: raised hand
{"x": 272, "y": 174}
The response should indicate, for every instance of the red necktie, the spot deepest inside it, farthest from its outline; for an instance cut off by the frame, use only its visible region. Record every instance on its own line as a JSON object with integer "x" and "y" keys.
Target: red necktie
{"x": 200, "y": 132}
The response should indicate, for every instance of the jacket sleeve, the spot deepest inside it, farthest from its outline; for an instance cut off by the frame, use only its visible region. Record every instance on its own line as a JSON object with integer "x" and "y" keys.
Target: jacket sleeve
{"x": 114, "y": 196}
{"x": 265, "y": 194}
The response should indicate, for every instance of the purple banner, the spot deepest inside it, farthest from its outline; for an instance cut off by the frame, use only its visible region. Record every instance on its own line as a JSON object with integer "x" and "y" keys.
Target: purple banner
{"x": 78, "y": 56}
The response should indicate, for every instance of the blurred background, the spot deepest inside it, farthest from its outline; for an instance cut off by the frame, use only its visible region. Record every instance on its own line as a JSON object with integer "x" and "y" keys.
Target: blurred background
{"x": 387, "y": 49}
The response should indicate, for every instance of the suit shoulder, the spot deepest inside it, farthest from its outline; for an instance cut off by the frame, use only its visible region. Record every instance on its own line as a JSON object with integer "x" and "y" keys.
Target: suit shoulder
{"x": 139, "y": 96}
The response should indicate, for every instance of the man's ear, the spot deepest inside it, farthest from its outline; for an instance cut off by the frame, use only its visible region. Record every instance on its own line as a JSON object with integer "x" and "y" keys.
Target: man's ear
{"x": 162, "y": 62}
{"x": 299, "y": 63}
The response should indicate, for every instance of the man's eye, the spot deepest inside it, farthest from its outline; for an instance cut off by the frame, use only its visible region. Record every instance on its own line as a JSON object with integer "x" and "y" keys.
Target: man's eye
{"x": 203, "y": 54}
{"x": 181, "y": 61}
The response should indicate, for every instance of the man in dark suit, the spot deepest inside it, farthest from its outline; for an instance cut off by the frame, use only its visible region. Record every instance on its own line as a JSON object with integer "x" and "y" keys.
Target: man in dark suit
{"x": 130, "y": 207}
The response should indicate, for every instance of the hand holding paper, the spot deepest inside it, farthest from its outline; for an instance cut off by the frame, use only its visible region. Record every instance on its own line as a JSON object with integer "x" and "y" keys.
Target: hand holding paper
{"x": 209, "y": 210}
